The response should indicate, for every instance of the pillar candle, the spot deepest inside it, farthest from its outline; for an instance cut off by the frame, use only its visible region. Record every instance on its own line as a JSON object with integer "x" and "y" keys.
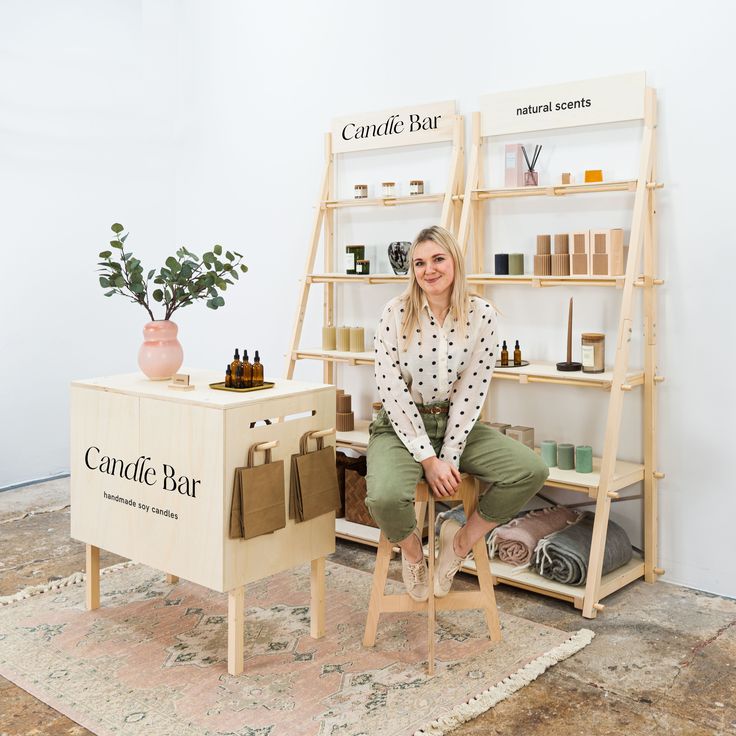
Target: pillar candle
{"x": 357, "y": 340}
{"x": 584, "y": 459}
{"x": 329, "y": 337}
{"x": 501, "y": 262}
{"x": 343, "y": 339}
{"x": 549, "y": 453}
{"x": 565, "y": 456}
{"x": 516, "y": 264}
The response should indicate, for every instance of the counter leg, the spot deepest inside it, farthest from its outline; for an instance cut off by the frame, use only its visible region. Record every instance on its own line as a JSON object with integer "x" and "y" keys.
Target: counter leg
{"x": 171, "y": 579}
{"x": 92, "y": 586}
{"x": 235, "y": 630}
{"x": 317, "y": 611}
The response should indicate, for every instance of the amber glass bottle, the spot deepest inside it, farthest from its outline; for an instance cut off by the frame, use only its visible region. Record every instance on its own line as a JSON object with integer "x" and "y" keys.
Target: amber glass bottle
{"x": 257, "y": 370}
{"x": 504, "y": 354}
{"x": 234, "y": 365}
{"x": 247, "y": 371}
{"x": 228, "y": 376}
{"x": 517, "y": 354}
{"x": 238, "y": 380}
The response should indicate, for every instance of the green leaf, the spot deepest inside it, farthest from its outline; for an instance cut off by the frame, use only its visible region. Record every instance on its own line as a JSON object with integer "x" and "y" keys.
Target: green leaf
{"x": 116, "y": 244}
{"x": 150, "y": 274}
{"x": 208, "y": 257}
{"x": 222, "y": 284}
{"x": 229, "y": 256}
{"x": 243, "y": 268}
{"x": 218, "y": 250}
{"x": 104, "y": 283}
{"x": 234, "y": 274}
{"x": 123, "y": 238}
{"x": 218, "y": 265}
{"x": 211, "y": 304}
{"x": 137, "y": 288}
{"x": 219, "y": 301}
{"x": 119, "y": 282}
{"x": 110, "y": 293}
{"x": 158, "y": 295}
{"x": 239, "y": 255}
{"x": 105, "y": 254}
{"x": 117, "y": 228}
{"x": 172, "y": 263}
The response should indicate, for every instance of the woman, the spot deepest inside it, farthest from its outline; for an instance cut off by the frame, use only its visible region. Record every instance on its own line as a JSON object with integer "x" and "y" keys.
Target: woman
{"x": 435, "y": 351}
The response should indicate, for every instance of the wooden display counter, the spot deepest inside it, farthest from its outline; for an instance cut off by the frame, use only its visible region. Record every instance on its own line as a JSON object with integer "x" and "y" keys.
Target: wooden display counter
{"x": 152, "y": 473}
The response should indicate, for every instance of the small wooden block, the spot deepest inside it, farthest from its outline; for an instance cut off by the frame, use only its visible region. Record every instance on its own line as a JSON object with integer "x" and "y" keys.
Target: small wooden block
{"x": 180, "y": 382}
{"x": 543, "y": 265}
{"x": 500, "y": 426}
{"x": 593, "y": 175}
{"x": 544, "y": 245}
{"x": 566, "y": 177}
{"x": 600, "y": 264}
{"x": 560, "y": 264}
{"x": 562, "y": 243}
{"x": 599, "y": 240}
{"x": 525, "y": 435}
{"x": 579, "y": 242}
{"x": 579, "y": 264}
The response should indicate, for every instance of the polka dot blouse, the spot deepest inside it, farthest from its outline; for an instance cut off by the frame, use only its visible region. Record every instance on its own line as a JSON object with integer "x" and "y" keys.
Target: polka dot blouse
{"x": 447, "y": 361}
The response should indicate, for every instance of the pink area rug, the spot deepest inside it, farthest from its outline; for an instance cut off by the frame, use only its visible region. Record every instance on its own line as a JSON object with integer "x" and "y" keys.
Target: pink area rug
{"x": 153, "y": 659}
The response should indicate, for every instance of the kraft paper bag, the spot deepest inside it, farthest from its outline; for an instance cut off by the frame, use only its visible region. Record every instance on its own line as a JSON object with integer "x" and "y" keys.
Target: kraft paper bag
{"x": 258, "y": 498}
{"x": 314, "y": 489}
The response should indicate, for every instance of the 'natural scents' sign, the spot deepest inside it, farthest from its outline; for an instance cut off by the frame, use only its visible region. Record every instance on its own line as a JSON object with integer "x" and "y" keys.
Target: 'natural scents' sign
{"x": 404, "y": 126}
{"x": 588, "y": 102}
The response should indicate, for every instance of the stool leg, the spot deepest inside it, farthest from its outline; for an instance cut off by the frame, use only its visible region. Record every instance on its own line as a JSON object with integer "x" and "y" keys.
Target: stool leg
{"x": 380, "y": 574}
{"x": 485, "y": 582}
{"x": 431, "y": 610}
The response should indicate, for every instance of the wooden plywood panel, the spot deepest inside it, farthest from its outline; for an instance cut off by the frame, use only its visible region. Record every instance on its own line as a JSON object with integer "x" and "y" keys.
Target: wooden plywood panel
{"x": 296, "y": 544}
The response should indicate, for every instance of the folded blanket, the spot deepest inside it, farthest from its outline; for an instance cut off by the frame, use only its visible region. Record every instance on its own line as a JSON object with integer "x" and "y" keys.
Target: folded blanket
{"x": 563, "y": 556}
{"x": 515, "y": 541}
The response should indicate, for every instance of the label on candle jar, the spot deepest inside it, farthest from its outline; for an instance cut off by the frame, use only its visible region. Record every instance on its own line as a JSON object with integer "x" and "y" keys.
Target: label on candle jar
{"x": 588, "y": 356}
{"x": 349, "y": 261}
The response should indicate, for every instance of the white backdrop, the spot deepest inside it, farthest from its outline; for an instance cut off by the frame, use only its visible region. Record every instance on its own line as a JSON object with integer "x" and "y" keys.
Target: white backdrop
{"x": 202, "y": 122}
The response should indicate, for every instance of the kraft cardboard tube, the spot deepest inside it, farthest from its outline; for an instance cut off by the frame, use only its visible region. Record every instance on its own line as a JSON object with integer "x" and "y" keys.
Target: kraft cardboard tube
{"x": 549, "y": 453}
{"x": 584, "y": 459}
{"x": 501, "y": 263}
{"x": 565, "y": 456}
{"x": 516, "y": 264}
{"x": 329, "y": 337}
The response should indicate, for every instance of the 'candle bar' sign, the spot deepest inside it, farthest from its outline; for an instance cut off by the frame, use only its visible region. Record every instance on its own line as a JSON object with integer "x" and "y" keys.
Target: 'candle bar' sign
{"x": 403, "y": 126}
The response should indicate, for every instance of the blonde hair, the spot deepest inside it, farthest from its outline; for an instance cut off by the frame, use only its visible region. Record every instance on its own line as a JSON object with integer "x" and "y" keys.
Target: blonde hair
{"x": 459, "y": 298}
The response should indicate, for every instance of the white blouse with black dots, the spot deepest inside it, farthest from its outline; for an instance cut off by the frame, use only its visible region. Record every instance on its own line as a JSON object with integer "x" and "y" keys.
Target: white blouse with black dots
{"x": 441, "y": 362}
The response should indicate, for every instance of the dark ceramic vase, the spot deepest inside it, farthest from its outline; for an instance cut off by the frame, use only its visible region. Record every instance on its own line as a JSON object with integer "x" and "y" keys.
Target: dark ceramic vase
{"x": 398, "y": 256}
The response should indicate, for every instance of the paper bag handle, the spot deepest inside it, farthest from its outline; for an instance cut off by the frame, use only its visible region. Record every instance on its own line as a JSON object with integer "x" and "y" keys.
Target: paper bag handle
{"x": 261, "y": 447}
{"x": 318, "y": 434}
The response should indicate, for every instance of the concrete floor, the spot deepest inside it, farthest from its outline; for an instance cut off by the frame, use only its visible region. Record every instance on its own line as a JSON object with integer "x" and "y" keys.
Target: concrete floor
{"x": 663, "y": 660}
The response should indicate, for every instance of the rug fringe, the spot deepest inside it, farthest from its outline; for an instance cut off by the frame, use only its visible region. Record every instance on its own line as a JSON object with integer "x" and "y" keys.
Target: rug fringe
{"x": 494, "y": 695}
{"x": 73, "y": 579}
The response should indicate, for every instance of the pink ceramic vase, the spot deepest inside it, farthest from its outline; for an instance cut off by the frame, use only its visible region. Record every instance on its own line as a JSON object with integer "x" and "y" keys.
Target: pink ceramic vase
{"x": 161, "y": 354}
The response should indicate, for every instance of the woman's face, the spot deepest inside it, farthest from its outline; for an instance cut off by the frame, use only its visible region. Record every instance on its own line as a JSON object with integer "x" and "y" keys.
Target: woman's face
{"x": 434, "y": 269}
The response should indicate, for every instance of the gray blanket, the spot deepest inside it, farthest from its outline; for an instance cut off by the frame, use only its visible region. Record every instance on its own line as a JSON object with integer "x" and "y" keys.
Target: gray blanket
{"x": 563, "y": 556}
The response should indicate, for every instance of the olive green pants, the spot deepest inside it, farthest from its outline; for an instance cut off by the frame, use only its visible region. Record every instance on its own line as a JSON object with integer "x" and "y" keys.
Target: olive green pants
{"x": 512, "y": 472}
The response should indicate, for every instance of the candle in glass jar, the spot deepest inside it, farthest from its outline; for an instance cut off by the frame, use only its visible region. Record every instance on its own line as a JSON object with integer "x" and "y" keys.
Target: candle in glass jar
{"x": 593, "y": 348}
{"x": 416, "y": 186}
{"x": 389, "y": 188}
{"x": 361, "y": 191}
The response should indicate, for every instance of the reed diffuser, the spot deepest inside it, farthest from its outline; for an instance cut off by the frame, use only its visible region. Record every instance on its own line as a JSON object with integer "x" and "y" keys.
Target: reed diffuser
{"x": 531, "y": 176}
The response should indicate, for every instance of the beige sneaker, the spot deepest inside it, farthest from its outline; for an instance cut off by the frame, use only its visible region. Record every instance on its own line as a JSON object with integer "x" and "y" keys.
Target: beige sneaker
{"x": 448, "y": 563}
{"x": 416, "y": 576}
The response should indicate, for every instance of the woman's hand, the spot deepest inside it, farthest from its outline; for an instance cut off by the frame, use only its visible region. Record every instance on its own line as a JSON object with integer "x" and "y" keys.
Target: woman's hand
{"x": 442, "y": 477}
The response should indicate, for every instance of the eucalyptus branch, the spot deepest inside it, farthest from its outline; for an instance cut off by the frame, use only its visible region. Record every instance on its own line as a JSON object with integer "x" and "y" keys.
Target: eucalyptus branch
{"x": 185, "y": 278}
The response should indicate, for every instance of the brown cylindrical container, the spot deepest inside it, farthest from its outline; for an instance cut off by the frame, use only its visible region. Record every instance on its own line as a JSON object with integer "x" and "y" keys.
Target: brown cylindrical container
{"x": 560, "y": 264}
{"x": 345, "y": 421}
{"x": 543, "y": 265}
{"x": 562, "y": 243}
{"x": 544, "y": 245}
{"x": 593, "y": 348}
{"x": 344, "y": 403}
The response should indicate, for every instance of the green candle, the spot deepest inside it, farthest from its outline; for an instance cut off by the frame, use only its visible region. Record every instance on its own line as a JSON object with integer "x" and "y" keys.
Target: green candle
{"x": 549, "y": 453}
{"x": 565, "y": 456}
{"x": 516, "y": 264}
{"x": 584, "y": 459}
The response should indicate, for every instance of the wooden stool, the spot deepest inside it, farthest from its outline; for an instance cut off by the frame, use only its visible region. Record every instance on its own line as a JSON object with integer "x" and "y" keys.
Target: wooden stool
{"x": 483, "y": 598}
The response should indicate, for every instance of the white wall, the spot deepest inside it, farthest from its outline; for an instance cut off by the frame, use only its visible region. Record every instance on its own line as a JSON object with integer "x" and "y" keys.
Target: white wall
{"x": 198, "y": 122}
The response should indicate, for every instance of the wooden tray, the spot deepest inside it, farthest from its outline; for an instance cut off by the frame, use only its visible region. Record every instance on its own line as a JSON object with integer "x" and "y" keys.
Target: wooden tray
{"x": 221, "y": 387}
{"x": 511, "y": 365}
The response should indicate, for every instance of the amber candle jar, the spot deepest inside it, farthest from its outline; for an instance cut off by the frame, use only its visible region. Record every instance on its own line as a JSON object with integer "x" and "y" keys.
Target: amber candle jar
{"x": 593, "y": 346}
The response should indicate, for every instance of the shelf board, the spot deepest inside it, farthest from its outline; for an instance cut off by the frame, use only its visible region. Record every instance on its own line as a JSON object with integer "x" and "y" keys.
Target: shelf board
{"x": 382, "y": 201}
{"x": 335, "y": 356}
{"x": 546, "y": 372}
{"x": 353, "y": 532}
{"x": 556, "y": 190}
{"x": 625, "y": 473}
{"x": 347, "y": 278}
{"x": 529, "y": 580}
{"x": 481, "y": 279}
